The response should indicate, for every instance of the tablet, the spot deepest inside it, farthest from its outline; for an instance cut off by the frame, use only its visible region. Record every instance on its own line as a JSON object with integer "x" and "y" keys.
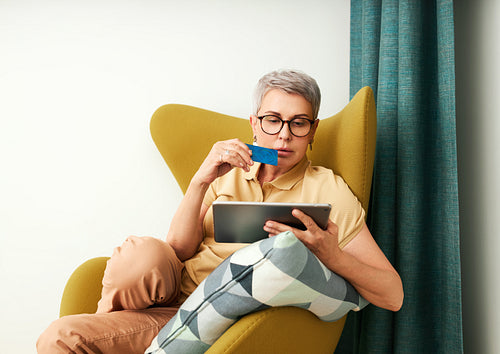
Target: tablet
{"x": 243, "y": 222}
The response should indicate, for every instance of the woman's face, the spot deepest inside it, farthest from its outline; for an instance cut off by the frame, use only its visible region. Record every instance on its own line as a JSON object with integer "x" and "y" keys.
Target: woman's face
{"x": 291, "y": 149}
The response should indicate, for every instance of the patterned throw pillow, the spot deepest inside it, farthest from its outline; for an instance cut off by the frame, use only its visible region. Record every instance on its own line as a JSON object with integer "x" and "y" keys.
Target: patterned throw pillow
{"x": 278, "y": 271}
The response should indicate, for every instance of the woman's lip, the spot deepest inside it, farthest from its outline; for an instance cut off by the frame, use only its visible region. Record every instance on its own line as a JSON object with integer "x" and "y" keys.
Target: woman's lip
{"x": 284, "y": 152}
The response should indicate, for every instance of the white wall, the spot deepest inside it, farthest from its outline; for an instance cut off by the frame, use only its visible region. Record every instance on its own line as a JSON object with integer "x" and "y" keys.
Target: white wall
{"x": 478, "y": 128}
{"x": 79, "y": 81}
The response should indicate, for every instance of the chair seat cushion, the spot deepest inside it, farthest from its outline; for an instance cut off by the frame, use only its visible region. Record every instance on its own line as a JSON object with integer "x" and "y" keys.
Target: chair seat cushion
{"x": 278, "y": 271}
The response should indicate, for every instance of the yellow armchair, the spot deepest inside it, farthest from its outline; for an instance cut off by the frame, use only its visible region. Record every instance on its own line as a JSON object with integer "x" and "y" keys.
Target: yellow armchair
{"x": 344, "y": 142}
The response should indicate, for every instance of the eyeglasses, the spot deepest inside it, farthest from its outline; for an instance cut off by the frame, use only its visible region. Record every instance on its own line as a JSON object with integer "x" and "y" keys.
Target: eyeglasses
{"x": 272, "y": 125}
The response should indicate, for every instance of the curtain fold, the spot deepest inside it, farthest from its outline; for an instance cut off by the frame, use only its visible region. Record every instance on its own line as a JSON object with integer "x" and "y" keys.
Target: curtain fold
{"x": 404, "y": 50}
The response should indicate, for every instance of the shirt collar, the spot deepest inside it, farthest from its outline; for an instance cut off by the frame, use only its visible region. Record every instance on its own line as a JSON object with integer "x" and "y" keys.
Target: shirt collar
{"x": 284, "y": 182}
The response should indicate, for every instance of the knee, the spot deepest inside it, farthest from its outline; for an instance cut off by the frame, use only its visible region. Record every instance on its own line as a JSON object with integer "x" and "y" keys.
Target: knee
{"x": 154, "y": 249}
{"x": 63, "y": 336}
{"x": 137, "y": 257}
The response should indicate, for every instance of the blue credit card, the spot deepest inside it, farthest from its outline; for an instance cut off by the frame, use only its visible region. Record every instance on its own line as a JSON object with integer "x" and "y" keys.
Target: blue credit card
{"x": 264, "y": 155}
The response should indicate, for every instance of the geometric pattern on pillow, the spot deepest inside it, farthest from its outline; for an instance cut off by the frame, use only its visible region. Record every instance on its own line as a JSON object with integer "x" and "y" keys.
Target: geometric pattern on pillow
{"x": 277, "y": 271}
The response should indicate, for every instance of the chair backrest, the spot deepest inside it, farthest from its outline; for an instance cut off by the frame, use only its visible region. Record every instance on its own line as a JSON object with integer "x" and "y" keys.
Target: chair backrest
{"x": 344, "y": 142}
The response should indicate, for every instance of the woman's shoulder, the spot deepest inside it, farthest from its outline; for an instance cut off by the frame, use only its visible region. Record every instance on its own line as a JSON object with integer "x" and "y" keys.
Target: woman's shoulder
{"x": 321, "y": 173}
{"x": 328, "y": 181}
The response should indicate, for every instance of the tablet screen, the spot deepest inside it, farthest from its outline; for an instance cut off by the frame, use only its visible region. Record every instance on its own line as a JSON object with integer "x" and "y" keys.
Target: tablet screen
{"x": 243, "y": 222}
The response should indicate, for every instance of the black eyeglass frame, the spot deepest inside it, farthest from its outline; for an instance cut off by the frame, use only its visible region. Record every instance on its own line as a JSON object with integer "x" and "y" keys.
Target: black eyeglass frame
{"x": 283, "y": 123}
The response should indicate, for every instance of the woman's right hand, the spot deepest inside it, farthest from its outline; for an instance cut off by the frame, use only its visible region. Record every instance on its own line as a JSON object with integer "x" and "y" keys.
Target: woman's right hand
{"x": 186, "y": 228}
{"x": 221, "y": 159}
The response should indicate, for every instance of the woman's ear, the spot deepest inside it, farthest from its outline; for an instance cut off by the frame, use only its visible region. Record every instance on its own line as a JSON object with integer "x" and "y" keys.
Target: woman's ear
{"x": 313, "y": 129}
{"x": 254, "y": 122}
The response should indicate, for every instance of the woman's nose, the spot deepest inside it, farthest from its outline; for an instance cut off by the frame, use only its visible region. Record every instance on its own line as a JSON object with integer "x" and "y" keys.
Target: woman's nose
{"x": 285, "y": 133}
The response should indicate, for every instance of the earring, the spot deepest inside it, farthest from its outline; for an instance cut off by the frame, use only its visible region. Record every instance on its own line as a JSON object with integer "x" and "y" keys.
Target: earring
{"x": 311, "y": 145}
{"x": 255, "y": 140}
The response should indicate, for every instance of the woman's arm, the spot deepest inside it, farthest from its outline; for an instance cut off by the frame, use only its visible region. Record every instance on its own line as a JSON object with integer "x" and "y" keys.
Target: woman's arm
{"x": 364, "y": 265}
{"x": 186, "y": 228}
{"x": 361, "y": 262}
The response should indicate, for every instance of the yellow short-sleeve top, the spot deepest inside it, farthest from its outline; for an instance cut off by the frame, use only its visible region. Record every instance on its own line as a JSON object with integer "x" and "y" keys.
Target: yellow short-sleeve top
{"x": 302, "y": 184}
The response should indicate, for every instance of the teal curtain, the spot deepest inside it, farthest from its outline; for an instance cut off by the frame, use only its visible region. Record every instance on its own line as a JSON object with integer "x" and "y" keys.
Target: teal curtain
{"x": 404, "y": 50}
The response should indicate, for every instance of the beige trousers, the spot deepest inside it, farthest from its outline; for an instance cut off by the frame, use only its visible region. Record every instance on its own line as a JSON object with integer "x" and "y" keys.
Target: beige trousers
{"x": 141, "y": 287}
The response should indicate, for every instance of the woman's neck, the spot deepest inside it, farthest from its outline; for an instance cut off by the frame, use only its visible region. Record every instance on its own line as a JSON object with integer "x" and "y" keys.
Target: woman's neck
{"x": 268, "y": 173}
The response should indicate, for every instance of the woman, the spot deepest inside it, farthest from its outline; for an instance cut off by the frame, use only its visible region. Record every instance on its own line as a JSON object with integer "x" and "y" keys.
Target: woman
{"x": 149, "y": 278}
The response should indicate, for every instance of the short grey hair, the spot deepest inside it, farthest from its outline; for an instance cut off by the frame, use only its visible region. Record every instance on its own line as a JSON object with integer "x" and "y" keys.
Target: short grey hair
{"x": 290, "y": 81}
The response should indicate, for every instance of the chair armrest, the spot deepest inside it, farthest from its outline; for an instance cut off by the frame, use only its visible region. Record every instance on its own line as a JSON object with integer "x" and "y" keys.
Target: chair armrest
{"x": 280, "y": 330}
{"x": 83, "y": 289}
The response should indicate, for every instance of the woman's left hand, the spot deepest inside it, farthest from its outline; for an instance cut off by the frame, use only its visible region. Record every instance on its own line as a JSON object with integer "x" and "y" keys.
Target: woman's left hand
{"x": 323, "y": 243}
